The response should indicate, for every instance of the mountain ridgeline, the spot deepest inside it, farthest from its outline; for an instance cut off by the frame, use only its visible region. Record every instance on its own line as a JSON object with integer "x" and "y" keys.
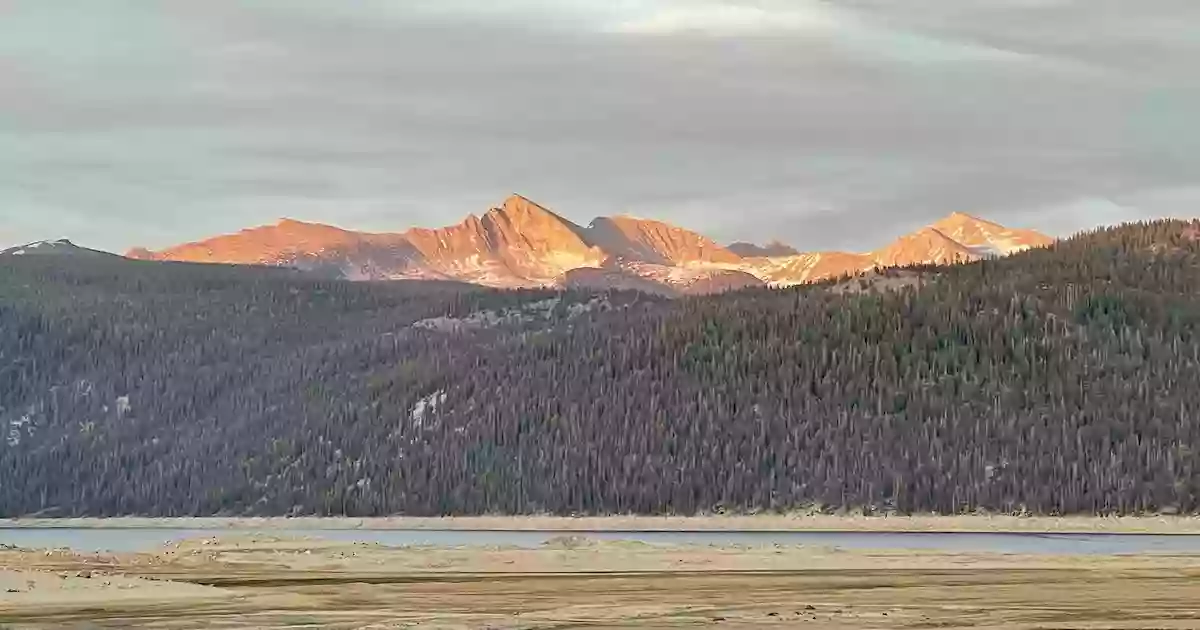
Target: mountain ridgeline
{"x": 521, "y": 244}
{"x": 1063, "y": 379}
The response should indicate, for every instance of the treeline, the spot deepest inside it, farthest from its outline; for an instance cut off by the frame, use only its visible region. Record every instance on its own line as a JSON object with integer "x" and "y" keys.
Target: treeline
{"x": 1063, "y": 380}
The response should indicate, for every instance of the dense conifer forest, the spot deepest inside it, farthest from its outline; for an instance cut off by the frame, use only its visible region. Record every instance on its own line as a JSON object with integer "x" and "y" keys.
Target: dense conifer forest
{"x": 1060, "y": 380}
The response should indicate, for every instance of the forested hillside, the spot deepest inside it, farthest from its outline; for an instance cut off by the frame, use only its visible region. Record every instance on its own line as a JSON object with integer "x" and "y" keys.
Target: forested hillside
{"x": 1058, "y": 380}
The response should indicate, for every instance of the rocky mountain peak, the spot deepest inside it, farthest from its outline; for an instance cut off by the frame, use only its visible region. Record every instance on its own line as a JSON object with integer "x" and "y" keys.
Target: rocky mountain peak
{"x": 523, "y": 224}
{"x": 521, "y": 243}
{"x": 986, "y": 238}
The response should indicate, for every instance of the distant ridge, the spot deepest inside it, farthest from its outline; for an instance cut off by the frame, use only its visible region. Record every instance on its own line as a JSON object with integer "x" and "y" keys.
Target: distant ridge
{"x": 521, "y": 244}
{"x": 774, "y": 248}
{"x": 58, "y": 247}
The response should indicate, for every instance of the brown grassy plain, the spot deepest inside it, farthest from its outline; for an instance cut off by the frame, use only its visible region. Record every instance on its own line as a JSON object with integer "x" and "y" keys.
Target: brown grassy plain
{"x": 571, "y": 582}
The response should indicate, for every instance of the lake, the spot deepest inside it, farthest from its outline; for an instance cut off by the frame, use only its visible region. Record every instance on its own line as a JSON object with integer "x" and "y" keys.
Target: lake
{"x": 146, "y": 539}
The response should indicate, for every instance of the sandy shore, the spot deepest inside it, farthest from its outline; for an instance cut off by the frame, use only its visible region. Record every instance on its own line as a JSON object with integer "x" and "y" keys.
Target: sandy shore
{"x": 230, "y": 581}
{"x": 1003, "y": 523}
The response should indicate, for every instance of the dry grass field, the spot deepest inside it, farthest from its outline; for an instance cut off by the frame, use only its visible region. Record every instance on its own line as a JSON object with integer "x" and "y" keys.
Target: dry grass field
{"x": 573, "y": 582}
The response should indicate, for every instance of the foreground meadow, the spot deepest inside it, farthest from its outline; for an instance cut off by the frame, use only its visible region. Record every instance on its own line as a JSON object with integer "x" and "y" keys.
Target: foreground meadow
{"x": 573, "y": 582}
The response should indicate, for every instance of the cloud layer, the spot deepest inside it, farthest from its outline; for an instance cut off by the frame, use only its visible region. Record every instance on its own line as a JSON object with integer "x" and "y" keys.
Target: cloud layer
{"x": 826, "y": 124}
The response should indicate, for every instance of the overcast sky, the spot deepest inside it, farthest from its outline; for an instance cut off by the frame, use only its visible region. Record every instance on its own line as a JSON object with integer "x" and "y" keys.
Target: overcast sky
{"x": 827, "y": 124}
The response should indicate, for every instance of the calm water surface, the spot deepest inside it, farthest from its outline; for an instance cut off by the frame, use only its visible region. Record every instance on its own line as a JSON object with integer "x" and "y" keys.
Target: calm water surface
{"x": 84, "y": 539}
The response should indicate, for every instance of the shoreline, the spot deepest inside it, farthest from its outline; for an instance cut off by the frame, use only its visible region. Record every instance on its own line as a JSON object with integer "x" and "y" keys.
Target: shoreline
{"x": 927, "y": 524}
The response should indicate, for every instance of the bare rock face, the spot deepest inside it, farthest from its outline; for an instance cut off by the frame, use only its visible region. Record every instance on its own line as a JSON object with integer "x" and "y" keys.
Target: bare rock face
{"x": 281, "y": 244}
{"x": 645, "y": 240}
{"x": 928, "y": 245}
{"x": 307, "y": 246}
{"x": 535, "y": 243}
{"x": 519, "y": 244}
{"x": 522, "y": 244}
{"x": 986, "y": 238}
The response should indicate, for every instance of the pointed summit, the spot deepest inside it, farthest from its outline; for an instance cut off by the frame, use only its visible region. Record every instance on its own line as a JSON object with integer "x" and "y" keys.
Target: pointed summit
{"x": 521, "y": 230}
{"x": 989, "y": 239}
{"x": 517, "y": 199}
{"x": 518, "y": 205}
{"x": 521, "y": 213}
{"x": 958, "y": 215}
{"x": 959, "y": 220}
{"x": 518, "y": 244}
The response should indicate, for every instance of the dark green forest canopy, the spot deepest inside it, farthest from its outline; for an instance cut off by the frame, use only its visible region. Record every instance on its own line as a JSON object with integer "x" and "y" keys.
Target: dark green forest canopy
{"x": 1062, "y": 380}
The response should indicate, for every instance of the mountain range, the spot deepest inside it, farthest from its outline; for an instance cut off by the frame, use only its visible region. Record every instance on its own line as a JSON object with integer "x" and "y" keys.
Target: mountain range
{"x": 1037, "y": 383}
{"x": 521, "y": 244}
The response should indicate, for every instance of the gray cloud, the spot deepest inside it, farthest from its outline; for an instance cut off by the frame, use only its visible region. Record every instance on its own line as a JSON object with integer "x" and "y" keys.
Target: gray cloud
{"x": 827, "y": 124}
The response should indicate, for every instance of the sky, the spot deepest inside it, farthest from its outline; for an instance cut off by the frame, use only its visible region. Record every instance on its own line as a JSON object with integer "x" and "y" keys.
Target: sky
{"x": 822, "y": 123}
